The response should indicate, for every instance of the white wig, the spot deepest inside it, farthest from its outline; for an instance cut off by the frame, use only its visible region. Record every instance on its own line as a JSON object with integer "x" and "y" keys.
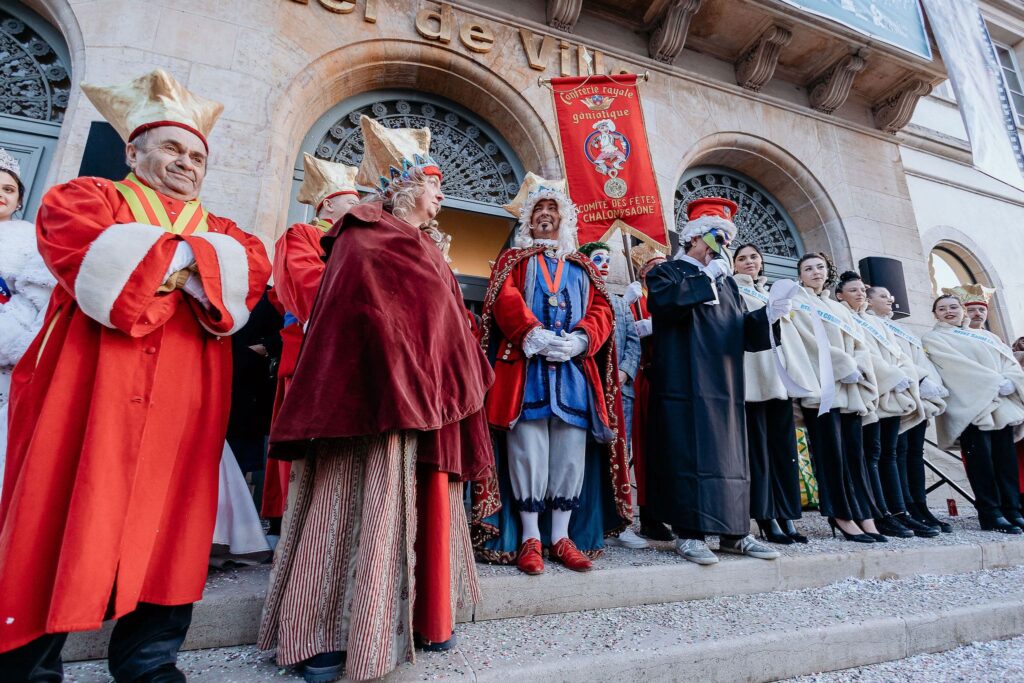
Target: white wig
{"x": 566, "y": 227}
{"x": 704, "y": 224}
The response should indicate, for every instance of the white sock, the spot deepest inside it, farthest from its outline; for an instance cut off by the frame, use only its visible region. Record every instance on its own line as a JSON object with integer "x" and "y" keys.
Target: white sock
{"x": 530, "y": 527}
{"x": 559, "y": 525}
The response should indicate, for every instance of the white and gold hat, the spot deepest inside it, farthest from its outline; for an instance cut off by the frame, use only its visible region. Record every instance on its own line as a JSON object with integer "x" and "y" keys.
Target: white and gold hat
{"x": 325, "y": 179}
{"x": 531, "y": 183}
{"x": 153, "y": 100}
{"x": 644, "y": 253}
{"x": 970, "y": 295}
{"x": 533, "y": 189}
{"x": 390, "y": 153}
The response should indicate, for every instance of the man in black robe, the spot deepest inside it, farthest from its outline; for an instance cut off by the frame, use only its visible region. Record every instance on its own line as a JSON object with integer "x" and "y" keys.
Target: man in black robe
{"x": 698, "y": 476}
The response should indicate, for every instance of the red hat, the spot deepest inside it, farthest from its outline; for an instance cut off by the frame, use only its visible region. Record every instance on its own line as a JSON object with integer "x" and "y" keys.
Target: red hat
{"x": 712, "y": 206}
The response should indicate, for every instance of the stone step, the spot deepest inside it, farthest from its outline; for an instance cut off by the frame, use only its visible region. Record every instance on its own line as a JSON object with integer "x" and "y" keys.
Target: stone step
{"x": 230, "y": 610}
{"x": 760, "y": 637}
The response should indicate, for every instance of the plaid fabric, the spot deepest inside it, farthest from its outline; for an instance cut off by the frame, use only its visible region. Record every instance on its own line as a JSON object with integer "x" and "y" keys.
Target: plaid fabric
{"x": 808, "y": 484}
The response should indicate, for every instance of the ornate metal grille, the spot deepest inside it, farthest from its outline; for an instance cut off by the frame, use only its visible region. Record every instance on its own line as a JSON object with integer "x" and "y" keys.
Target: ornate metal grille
{"x": 761, "y": 220}
{"x": 34, "y": 80}
{"x": 474, "y": 165}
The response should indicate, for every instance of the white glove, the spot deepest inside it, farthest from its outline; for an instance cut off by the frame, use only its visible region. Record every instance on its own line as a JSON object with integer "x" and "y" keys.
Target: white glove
{"x": 779, "y": 309}
{"x": 183, "y": 258}
{"x": 194, "y": 288}
{"x": 536, "y": 341}
{"x": 1006, "y": 388}
{"x": 633, "y": 292}
{"x": 572, "y": 345}
{"x": 579, "y": 341}
{"x": 903, "y": 384}
{"x": 930, "y": 390}
{"x": 718, "y": 267}
{"x": 644, "y": 327}
{"x": 852, "y": 378}
{"x": 557, "y": 349}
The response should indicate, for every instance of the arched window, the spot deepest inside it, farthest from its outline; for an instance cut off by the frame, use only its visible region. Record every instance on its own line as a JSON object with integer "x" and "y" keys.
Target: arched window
{"x": 481, "y": 172}
{"x": 761, "y": 219}
{"x": 950, "y": 265}
{"x": 35, "y": 79}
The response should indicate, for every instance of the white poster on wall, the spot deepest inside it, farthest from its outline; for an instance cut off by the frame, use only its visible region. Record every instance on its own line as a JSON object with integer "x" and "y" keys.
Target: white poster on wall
{"x": 970, "y": 59}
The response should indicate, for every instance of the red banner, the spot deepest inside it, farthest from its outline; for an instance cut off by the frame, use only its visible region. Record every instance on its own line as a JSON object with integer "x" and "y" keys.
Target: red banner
{"x": 608, "y": 166}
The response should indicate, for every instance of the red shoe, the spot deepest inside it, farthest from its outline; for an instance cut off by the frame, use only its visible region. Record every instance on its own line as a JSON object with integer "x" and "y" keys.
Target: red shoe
{"x": 530, "y": 560}
{"x": 566, "y": 552}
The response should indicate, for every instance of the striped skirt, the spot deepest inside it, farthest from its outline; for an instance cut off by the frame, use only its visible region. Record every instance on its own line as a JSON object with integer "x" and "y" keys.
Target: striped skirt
{"x": 344, "y": 572}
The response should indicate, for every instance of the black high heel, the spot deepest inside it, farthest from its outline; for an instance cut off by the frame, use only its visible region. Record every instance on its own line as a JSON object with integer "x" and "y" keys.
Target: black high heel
{"x": 771, "y": 532}
{"x": 857, "y": 538}
{"x": 789, "y": 528}
{"x": 921, "y": 513}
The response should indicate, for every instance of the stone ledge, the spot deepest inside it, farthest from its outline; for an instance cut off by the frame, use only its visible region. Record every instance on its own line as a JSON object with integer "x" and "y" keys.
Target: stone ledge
{"x": 229, "y": 613}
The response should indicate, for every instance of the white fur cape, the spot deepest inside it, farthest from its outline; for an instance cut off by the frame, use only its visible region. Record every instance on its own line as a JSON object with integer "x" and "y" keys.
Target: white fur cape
{"x": 891, "y": 366}
{"x": 847, "y": 353}
{"x": 30, "y": 282}
{"x": 931, "y": 407}
{"x": 973, "y": 371}
{"x": 761, "y": 378}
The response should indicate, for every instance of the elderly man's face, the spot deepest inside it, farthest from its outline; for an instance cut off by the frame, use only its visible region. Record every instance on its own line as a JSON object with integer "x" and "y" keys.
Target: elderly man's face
{"x": 977, "y": 314}
{"x": 171, "y": 160}
{"x": 545, "y": 219}
{"x": 428, "y": 203}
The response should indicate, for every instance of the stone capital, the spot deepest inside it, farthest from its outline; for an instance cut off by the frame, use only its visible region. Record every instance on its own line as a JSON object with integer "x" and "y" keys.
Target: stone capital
{"x": 829, "y": 91}
{"x": 668, "y": 38}
{"x": 563, "y": 14}
{"x": 894, "y": 112}
{"x": 757, "y": 65}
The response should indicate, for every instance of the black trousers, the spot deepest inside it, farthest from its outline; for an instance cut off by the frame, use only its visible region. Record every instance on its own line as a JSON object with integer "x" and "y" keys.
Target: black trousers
{"x": 774, "y": 470}
{"x": 910, "y": 460}
{"x": 837, "y": 456}
{"x": 142, "y": 641}
{"x": 881, "y": 440}
{"x": 991, "y": 462}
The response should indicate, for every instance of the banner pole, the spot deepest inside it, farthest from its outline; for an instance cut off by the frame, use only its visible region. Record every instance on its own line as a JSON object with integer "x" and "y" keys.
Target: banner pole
{"x": 645, "y": 76}
{"x": 629, "y": 260}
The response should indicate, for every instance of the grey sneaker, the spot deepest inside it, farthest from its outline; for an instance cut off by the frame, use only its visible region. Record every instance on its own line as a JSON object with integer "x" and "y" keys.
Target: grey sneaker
{"x": 748, "y": 546}
{"x": 628, "y": 539}
{"x": 695, "y": 551}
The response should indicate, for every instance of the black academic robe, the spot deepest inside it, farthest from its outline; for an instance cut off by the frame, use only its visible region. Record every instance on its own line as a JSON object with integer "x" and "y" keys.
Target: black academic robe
{"x": 698, "y": 477}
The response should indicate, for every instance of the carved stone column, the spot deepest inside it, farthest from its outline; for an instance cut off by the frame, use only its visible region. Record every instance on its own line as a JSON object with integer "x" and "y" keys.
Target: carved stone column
{"x": 668, "y": 39}
{"x": 894, "y": 112}
{"x": 562, "y": 14}
{"x": 831, "y": 89}
{"x": 757, "y": 65}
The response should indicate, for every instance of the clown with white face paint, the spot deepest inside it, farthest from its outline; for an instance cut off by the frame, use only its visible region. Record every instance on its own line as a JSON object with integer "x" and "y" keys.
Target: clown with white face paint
{"x": 548, "y": 323}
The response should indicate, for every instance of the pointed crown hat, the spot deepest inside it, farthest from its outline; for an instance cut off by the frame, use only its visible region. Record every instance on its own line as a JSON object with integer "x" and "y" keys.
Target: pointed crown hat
{"x": 970, "y": 295}
{"x": 391, "y": 153}
{"x": 325, "y": 179}
{"x": 533, "y": 190}
{"x": 644, "y": 253}
{"x": 153, "y": 100}
{"x": 9, "y": 163}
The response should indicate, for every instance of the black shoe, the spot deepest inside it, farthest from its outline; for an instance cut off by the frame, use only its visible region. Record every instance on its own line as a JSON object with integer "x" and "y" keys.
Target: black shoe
{"x": 878, "y": 538}
{"x": 165, "y": 673}
{"x": 922, "y": 514}
{"x": 789, "y": 528}
{"x": 428, "y": 646}
{"x": 891, "y": 526}
{"x": 1016, "y": 519}
{"x": 857, "y": 538}
{"x": 1000, "y": 524}
{"x": 920, "y": 530}
{"x": 771, "y": 532}
{"x": 324, "y": 667}
{"x": 654, "y": 530}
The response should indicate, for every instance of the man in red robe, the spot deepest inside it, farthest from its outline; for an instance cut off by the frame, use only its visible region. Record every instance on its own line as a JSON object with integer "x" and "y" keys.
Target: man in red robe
{"x": 298, "y": 266}
{"x": 120, "y": 405}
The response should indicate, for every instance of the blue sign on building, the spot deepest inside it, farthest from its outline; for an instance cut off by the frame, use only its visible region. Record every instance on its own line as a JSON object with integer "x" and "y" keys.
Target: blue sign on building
{"x": 897, "y": 22}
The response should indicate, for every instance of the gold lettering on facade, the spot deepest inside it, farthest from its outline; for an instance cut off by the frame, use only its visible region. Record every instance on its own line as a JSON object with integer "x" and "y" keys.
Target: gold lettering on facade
{"x": 436, "y": 25}
{"x": 477, "y": 37}
{"x": 537, "y": 56}
{"x": 338, "y": 6}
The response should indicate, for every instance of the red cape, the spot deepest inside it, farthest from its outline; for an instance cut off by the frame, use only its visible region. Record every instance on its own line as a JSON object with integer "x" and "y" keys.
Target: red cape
{"x": 389, "y": 347}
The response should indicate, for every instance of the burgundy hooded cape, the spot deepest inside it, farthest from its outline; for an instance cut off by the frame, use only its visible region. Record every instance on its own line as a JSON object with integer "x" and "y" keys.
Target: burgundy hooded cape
{"x": 389, "y": 347}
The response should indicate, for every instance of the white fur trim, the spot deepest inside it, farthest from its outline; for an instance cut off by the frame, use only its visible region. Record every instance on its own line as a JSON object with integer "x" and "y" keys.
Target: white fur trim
{"x": 566, "y": 229}
{"x": 699, "y": 226}
{"x": 233, "y": 262}
{"x": 109, "y": 263}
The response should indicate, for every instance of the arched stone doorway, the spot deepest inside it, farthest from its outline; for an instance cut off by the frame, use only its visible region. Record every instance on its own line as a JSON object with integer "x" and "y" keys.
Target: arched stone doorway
{"x": 35, "y": 81}
{"x": 783, "y": 183}
{"x": 761, "y": 219}
{"x": 950, "y": 264}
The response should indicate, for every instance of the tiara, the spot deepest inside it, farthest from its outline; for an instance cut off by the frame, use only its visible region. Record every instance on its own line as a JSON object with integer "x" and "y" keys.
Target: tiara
{"x": 9, "y": 163}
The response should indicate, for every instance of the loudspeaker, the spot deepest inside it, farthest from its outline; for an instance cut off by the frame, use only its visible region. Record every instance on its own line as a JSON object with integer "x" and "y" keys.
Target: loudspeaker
{"x": 104, "y": 153}
{"x": 880, "y": 271}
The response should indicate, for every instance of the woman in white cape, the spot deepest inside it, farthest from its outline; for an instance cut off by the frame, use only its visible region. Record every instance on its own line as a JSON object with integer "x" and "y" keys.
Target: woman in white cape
{"x": 25, "y": 285}
{"x": 771, "y": 432}
{"x": 844, "y": 393}
{"x": 930, "y": 394}
{"x": 984, "y": 411}
{"x": 898, "y": 408}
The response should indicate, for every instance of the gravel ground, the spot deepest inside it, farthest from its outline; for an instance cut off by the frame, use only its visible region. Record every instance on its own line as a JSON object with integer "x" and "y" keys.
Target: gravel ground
{"x": 998, "y": 661}
{"x": 510, "y": 643}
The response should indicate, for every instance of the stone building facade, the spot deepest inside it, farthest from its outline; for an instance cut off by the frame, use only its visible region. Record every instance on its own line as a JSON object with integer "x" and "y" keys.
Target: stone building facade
{"x": 801, "y": 118}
